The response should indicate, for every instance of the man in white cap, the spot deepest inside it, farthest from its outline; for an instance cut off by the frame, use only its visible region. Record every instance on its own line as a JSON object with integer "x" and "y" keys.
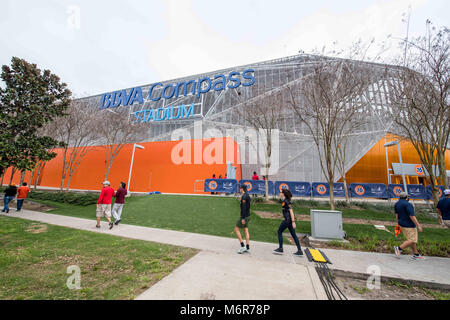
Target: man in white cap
{"x": 443, "y": 209}
{"x": 104, "y": 204}
{"x": 404, "y": 213}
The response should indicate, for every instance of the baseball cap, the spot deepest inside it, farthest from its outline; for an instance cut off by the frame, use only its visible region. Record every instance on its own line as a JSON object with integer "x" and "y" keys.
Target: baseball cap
{"x": 106, "y": 182}
{"x": 447, "y": 192}
{"x": 403, "y": 194}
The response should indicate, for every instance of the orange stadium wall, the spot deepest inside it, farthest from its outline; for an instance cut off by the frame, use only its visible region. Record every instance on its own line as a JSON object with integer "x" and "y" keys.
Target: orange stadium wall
{"x": 371, "y": 168}
{"x": 153, "y": 168}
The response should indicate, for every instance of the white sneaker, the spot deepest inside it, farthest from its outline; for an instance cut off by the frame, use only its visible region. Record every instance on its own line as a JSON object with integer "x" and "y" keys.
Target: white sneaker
{"x": 242, "y": 250}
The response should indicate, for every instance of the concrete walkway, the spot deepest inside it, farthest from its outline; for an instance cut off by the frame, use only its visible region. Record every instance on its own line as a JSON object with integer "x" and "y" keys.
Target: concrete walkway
{"x": 219, "y": 273}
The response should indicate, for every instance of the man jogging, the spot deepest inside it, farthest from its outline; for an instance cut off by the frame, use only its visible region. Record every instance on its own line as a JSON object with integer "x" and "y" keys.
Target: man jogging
{"x": 288, "y": 222}
{"x": 443, "y": 209}
{"x": 242, "y": 223}
{"x": 118, "y": 205}
{"x": 22, "y": 193}
{"x": 404, "y": 213}
{"x": 104, "y": 204}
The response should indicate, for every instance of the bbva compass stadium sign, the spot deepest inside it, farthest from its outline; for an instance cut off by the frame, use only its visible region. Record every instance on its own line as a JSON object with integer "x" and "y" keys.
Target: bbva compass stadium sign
{"x": 174, "y": 90}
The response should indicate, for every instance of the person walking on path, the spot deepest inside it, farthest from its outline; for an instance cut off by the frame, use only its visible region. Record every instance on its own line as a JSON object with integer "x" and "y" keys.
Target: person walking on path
{"x": 10, "y": 194}
{"x": 443, "y": 209}
{"x": 404, "y": 214}
{"x": 118, "y": 205}
{"x": 242, "y": 223}
{"x": 104, "y": 204}
{"x": 22, "y": 193}
{"x": 288, "y": 222}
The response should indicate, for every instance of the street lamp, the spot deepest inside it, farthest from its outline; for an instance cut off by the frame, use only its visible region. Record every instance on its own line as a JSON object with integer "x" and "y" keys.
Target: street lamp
{"x": 392, "y": 143}
{"x": 131, "y": 164}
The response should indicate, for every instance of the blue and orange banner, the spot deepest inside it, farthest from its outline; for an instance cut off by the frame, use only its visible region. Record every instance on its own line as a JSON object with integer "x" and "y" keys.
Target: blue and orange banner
{"x": 257, "y": 186}
{"x": 415, "y": 191}
{"x": 221, "y": 185}
{"x": 368, "y": 190}
{"x": 322, "y": 189}
{"x": 297, "y": 188}
{"x": 440, "y": 192}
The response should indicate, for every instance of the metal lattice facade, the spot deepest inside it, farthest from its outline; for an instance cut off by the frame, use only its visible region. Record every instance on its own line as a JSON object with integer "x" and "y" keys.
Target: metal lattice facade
{"x": 297, "y": 152}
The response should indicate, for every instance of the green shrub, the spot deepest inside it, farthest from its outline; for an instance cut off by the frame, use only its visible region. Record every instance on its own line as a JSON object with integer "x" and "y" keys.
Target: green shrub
{"x": 257, "y": 199}
{"x": 75, "y": 198}
{"x": 342, "y": 204}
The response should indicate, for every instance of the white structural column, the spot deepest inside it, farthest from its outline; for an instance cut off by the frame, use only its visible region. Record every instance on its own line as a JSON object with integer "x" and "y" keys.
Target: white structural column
{"x": 131, "y": 164}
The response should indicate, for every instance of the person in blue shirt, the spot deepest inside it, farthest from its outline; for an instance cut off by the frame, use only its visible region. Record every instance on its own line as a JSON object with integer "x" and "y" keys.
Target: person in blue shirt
{"x": 443, "y": 209}
{"x": 404, "y": 213}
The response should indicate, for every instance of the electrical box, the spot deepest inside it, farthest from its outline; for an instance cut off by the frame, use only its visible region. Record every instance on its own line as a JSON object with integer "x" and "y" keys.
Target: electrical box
{"x": 326, "y": 224}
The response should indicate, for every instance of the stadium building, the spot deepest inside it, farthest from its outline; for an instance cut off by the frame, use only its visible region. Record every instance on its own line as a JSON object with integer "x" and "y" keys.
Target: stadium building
{"x": 204, "y": 106}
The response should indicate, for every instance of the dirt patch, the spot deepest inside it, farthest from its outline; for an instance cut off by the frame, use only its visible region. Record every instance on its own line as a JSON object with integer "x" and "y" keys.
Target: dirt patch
{"x": 35, "y": 206}
{"x": 356, "y": 289}
{"x": 303, "y": 217}
{"x": 37, "y": 228}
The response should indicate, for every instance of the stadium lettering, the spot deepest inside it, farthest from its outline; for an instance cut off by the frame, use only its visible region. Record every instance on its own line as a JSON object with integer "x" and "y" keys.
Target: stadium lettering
{"x": 168, "y": 113}
{"x": 158, "y": 91}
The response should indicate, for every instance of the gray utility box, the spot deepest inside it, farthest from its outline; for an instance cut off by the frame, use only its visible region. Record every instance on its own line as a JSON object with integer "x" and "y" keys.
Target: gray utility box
{"x": 326, "y": 224}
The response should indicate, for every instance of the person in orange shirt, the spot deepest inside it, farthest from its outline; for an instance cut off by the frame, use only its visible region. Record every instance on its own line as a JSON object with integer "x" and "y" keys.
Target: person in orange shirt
{"x": 22, "y": 193}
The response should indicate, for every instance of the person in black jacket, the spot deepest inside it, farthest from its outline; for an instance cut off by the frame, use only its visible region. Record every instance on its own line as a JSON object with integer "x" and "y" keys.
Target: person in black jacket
{"x": 288, "y": 222}
{"x": 10, "y": 194}
{"x": 242, "y": 223}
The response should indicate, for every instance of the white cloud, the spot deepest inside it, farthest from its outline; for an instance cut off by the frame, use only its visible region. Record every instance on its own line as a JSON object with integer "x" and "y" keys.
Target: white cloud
{"x": 192, "y": 47}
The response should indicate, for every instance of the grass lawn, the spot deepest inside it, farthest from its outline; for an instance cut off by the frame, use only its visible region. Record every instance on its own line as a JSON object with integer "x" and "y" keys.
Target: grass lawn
{"x": 34, "y": 258}
{"x": 373, "y": 212}
{"x": 218, "y": 215}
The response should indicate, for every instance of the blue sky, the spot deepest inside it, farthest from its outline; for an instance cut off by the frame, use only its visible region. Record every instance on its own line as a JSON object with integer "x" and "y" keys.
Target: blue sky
{"x": 99, "y": 46}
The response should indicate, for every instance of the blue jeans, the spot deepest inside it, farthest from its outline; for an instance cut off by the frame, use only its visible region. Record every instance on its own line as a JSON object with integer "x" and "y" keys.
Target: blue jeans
{"x": 7, "y": 200}
{"x": 19, "y": 204}
{"x": 287, "y": 224}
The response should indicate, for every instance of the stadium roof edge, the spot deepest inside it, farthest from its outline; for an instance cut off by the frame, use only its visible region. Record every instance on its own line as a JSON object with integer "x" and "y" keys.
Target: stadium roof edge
{"x": 283, "y": 59}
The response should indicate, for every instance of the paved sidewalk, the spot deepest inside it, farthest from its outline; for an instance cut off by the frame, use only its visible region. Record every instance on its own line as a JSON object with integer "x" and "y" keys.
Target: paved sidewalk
{"x": 262, "y": 263}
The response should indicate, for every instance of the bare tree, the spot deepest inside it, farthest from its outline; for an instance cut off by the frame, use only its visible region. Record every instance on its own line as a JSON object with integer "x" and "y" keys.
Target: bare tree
{"x": 115, "y": 131}
{"x": 264, "y": 115}
{"x": 77, "y": 131}
{"x": 420, "y": 94}
{"x": 328, "y": 102}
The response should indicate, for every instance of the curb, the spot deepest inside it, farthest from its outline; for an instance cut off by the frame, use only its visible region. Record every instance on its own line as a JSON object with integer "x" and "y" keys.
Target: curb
{"x": 384, "y": 279}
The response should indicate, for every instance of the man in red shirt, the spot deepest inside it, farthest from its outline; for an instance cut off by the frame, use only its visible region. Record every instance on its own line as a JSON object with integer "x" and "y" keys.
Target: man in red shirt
{"x": 22, "y": 193}
{"x": 104, "y": 204}
{"x": 255, "y": 176}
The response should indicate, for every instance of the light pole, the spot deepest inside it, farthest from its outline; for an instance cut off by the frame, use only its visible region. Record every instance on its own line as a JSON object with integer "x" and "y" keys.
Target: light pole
{"x": 389, "y": 144}
{"x": 131, "y": 164}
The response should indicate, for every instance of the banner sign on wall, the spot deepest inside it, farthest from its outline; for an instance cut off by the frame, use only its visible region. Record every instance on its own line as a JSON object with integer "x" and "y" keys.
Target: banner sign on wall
{"x": 322, "y": 189}
{"x": 368, "y": 190}
{"x": 440, "y": 192}
{"x": 257, "y": 186}
{"x": 297, "y": 188}
{"x": 415, "y": 191}
{"x": 221, "y": 185}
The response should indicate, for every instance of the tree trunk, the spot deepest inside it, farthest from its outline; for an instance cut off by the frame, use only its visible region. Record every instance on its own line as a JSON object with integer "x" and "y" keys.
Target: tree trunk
{"x": 68, "y": 183}
{"x": 38, "y": 175}
{"x": 346, "y": 189}
{"x": 267, "y": 184}
{"x": 32, "y": 175}
{"x": 331, "y": 195}
{"x": 3, "y": 175}
{"x": 22, "y": 177}
{"x": 13, "y": 171}
{"x": 442, "y": 169}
